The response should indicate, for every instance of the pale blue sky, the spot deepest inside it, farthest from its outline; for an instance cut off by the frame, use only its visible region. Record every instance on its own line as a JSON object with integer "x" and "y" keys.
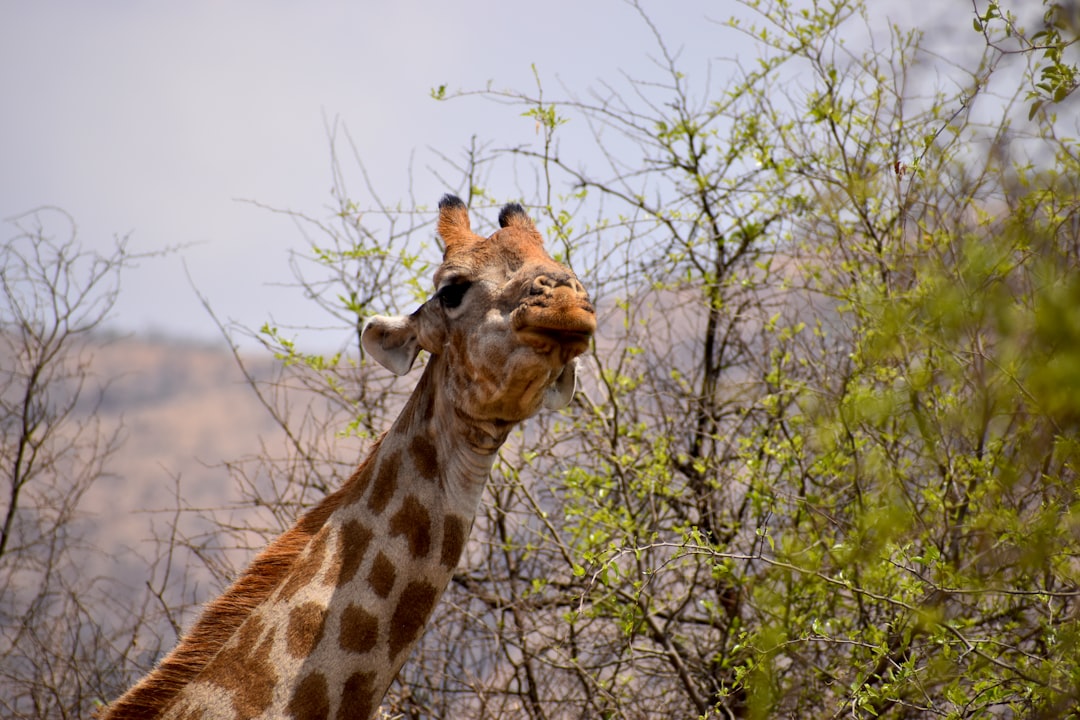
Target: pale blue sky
{"x": 156, "y": 118}
{"x": 153, "y": 118}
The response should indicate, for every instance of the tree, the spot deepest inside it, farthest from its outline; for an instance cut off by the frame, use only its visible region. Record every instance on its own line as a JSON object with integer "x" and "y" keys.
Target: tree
{"x": 63, "y": 634}
{"x": 813, "y": 492}
{"x": 1052, "y": 76}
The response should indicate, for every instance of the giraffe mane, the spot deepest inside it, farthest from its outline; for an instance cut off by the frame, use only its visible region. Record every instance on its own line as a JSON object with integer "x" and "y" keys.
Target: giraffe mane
{"x": 224, "y": 615}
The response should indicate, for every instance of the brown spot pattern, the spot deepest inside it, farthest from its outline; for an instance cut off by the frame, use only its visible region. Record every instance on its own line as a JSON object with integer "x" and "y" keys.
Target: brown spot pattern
{"x": 306, "y": 566}
{"x": 416, "y": 603}
{"x": 359, "y": 630}
{"x": 244, "y": 670}
{"x": 305, "y": 629}
{"x": 425, "y": 456}
{"x": 357, "y": 696}
{"x": 385, "y": 483}
{"x": 354, "y": 543}
{"x": 413, "y": 521}
{"x": 382, "y": 575}
{"x": 311, "y": 699}
{"x": 453, "y": 541}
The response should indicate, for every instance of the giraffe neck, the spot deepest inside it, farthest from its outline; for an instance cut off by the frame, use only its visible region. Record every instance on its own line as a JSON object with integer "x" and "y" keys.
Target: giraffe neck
{"x": 332, "y": 631}
{"x": 345, "y": 620}
{"x": 439, "y": 444}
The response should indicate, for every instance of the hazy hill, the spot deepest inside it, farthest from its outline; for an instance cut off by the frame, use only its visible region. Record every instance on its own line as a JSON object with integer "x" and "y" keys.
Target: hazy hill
{"x": 184, "y": 409}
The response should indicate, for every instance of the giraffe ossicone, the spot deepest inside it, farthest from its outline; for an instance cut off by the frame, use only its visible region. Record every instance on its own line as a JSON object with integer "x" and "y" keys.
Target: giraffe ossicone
{"x": 322, "y": 620}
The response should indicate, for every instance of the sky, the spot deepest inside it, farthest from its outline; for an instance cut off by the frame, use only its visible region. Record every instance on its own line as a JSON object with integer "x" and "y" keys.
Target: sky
{"x": 170, "y": 123}
{"x": 177, "y": 124}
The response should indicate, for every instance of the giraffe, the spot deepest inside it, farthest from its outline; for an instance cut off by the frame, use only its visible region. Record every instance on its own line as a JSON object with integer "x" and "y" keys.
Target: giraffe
{"x": 322, "y": 620}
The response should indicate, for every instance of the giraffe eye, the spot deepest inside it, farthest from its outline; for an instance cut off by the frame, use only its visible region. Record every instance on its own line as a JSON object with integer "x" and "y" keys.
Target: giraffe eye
{"x": 451, "y": 295}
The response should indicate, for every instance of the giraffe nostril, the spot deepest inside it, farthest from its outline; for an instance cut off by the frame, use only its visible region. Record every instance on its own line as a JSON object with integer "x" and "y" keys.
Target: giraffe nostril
{"x": 544, "y": 284}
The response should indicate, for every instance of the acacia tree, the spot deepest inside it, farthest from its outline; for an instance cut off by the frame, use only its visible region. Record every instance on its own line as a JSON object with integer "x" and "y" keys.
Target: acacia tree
{"x": 1052, "y": 75}
{"x": 63, "y": 634}
{"x": 819, "y": 472}
{"x": 823, "y": 460}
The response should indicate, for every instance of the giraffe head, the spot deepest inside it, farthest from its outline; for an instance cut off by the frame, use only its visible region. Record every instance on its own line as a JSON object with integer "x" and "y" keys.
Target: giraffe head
{"x": 506, "y": 323}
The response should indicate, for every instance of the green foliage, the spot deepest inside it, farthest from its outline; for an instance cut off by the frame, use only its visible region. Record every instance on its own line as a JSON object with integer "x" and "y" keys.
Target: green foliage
{"x": 1053, "y": 77}
{"x": 854, "y": 489}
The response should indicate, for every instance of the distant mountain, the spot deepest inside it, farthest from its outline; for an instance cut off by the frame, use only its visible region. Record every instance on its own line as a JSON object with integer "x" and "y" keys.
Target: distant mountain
{"x": 184, "y": 409}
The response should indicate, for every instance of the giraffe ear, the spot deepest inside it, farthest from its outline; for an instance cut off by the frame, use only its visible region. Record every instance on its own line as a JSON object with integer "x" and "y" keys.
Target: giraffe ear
{"x": 392, "y": 341}
{"x": 561, "y": 392}
{"x": 514, "y": 216}
{"x": 453, "y": 223}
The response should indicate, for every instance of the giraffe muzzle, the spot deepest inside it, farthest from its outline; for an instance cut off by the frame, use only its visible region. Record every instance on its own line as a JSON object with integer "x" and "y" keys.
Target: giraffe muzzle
{"x": 556, "y": 315}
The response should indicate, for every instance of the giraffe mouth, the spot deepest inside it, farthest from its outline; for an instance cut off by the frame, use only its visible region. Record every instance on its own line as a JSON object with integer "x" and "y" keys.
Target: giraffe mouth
{"x": 565, "y": 330}
{"x": 547, "y": 340}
